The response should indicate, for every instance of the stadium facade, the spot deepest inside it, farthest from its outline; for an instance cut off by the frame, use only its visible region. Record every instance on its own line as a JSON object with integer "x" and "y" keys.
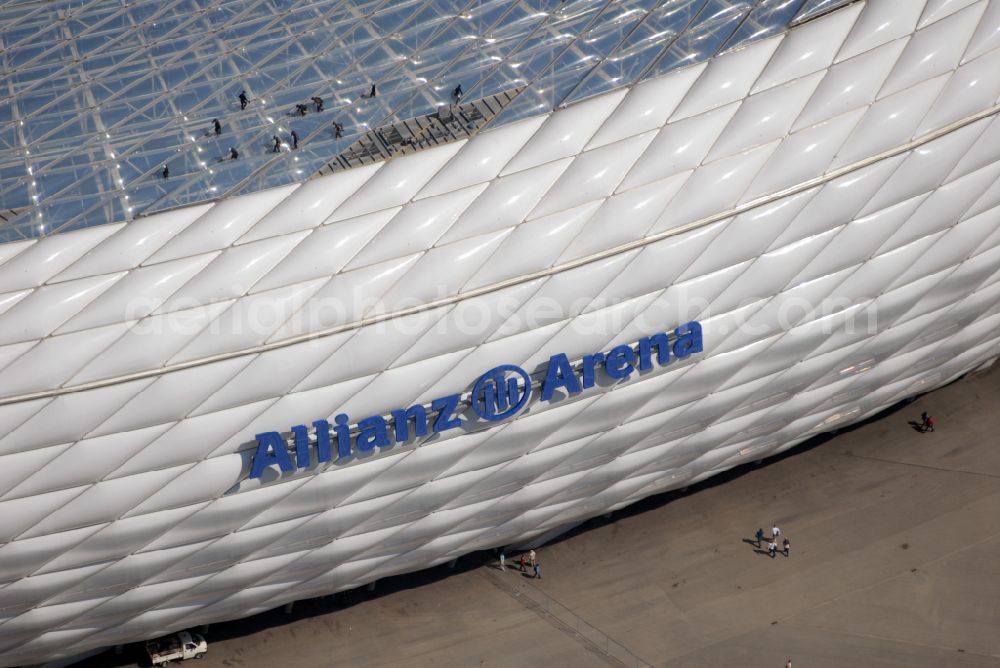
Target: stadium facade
{"x": 644, "y": 243}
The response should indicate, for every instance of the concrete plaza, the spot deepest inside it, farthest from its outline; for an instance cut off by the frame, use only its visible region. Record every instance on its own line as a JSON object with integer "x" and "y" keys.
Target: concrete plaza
{"x": 895, "y": 561}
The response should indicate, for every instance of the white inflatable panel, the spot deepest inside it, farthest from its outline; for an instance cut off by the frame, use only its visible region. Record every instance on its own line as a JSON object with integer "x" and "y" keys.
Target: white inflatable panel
{"x": 933, "y": 50}
{"x": 809, "y": 49}
{"x": 311, "y": 204}
{"x": 482, "y": 158}
{"x": 987, "y": 35}
{"x": 647, "y": 106}
{"x": 851, "y": 84}
{"x": 135, "y": 242}
{"x": 680, "y": 146}
{"x": 566, "y": 133}
{"x": 727, "y": 78}
{"x": 33, "y": 264}
{"x": 221, "y": 225}
{"x": 938, "y": 9}
{"x": 879, "y": 23}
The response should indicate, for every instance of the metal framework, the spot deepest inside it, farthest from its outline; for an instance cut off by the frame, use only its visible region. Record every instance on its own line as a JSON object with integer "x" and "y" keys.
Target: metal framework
{"x": 101, "y": 95}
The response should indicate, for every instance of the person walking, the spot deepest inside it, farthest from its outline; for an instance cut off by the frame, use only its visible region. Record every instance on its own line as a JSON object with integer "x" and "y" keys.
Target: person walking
{"x": 775, "y": 531}
{"x": 772, "y": 548}
{"x": 233, "y": 153}
{"x": 277, "y": 144}
{"x": 166, "y": 172}
{"x": 788, "y": 664}
{"x": 503, "y": 557}
{"x": 217, "y": 126}
{"x": 244, "y": 100}
{"x": 759, "y": 536}
{"x": 785, "y": 544}
{"x": 318, "y": 101}
{"x": 295, "y": 139}
{"x": 538, "y": 571}
{"x": 531, "y": 558}
{"x": 457, "y": 93}
{"x": 338, "y": 130}
{"x": 929, "y": 424}
{"x": 371, "y": 93}
{"x": 524, "y": 563}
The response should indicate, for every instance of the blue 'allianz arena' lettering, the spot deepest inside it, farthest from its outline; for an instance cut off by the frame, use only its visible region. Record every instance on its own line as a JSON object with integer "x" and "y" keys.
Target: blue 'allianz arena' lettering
{"x": 498, "y": 394}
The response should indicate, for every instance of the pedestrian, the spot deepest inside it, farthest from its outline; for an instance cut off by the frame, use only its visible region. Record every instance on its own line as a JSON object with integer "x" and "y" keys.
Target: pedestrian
{"x": 371, "y": 93}
{"x": 531, "y": 558}
{"x": 524, "y": 563}
{"x": 929, "y": 424}
{"x": 788, "y": 664}
{"x": 233, "y": 153}
{"x": 772, "y": 547}
{"x": 318, "y": 101}
{"x": 760, "y": 537}
{"x": 502, "y": 558}
{"x": 244, "y": 100}
{"x": 538, "y": 571}
{"x": 338, "y": 130}
{"x": 295, "y": 139}
{"x": 457, "y": 93}
{"x": 277, "y": 144}
{"x": 302, "y": 109}
{"x": 785, "y": 544}
{"x": 166, "y": 172}
{"x": 923, "y": 421}
{"x": 775, "y": 531}
{"x": 218, "y": 126}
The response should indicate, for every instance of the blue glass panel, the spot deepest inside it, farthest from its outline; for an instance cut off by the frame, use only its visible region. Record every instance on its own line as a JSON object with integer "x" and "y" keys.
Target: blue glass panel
{"x": 157, "y": 74}
{"x": 769, "y": 18}
{"x": 813, "y": 8}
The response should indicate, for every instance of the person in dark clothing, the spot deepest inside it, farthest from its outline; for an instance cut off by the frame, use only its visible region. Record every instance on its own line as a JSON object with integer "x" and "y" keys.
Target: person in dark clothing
{"x": 929, "y": 424}
{"x": 218, "y": 126}
{"x": 457, "y": 93}
{"x": 277, "y": 144}
{"x": 785, "y": 544}
{"x": 166, "y": 172}
{"x": 372, "y": 92}
{"x": 338, "y": 130}
{"x": 234, "y": 154}
{"x": 244, "y": 100}
{"x": 759, "y": 536}
{"x": 318, "y": 101}
{"x": 295, "y": 139}
{"x": 302, "y": 109}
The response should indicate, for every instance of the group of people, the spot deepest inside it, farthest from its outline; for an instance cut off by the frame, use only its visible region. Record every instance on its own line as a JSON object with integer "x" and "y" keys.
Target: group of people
{"x": 527, "y": 560}
{"x": 772, "y": 544}
{"x": 301, "y": 110}
{"x": 277, "y": 142}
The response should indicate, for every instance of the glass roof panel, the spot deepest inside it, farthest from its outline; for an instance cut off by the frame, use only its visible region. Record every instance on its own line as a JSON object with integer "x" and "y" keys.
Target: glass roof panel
{"x": 100, "y": 95}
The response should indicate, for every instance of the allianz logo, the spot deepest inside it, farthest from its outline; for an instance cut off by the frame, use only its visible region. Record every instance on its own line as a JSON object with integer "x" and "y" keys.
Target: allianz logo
{"x": 497, "y": 395}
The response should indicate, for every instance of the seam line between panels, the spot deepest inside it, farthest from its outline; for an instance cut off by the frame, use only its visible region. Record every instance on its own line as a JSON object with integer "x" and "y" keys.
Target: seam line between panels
{"x": 524, "y": 278}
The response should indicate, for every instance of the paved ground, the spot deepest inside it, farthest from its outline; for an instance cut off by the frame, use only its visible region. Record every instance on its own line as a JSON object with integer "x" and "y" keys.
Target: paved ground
{"x": 895, "y": 562}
